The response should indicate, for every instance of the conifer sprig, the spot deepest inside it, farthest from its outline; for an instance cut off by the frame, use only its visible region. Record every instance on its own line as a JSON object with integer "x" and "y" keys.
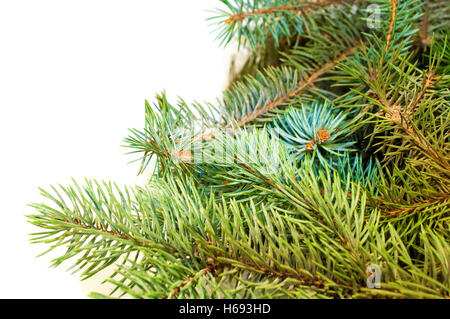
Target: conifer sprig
{"x": 299, "y": 180}
{"x": 251, "y": 22}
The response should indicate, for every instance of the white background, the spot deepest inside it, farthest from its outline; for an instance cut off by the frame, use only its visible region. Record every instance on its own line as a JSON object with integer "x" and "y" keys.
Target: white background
{"x": 73, "y": 78}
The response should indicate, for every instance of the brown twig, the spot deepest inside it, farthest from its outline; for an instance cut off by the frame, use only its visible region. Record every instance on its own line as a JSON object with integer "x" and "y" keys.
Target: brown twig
{"x": 391, "y": 25}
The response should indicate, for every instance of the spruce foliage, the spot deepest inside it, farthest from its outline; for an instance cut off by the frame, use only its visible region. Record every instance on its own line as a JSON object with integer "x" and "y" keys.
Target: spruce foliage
{"x": 328, "y": 153}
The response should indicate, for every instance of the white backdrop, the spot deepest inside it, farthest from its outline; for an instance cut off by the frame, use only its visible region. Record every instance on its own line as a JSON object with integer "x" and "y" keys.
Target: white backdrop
{"x": 73, "y": 78}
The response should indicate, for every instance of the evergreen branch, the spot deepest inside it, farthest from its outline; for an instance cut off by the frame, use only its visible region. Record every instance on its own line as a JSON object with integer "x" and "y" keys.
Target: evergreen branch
{"x": 253, "y": 21}
{"x": 249, "y": 238}
{"x": 435, "y": 20}
{"x": 299, "y": 89}
{"x": 261, "y": 108}
{"x": 254, "y": 99}
{"x": 169, "y": 133}
{"x": 257, "y": 97}
{"x": 305, "y": 6}
{"x": 297, "y": 217}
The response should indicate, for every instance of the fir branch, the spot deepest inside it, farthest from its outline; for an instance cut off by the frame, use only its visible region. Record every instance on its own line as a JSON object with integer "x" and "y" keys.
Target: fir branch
{"x": 305, "y": 6}
{"x": 300, "y": 217}
{"x": 299, "y": 89}
{"x": 252, "y": 21}
{"x": 260, "y": 111}
{"x": 435, "y": 20}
